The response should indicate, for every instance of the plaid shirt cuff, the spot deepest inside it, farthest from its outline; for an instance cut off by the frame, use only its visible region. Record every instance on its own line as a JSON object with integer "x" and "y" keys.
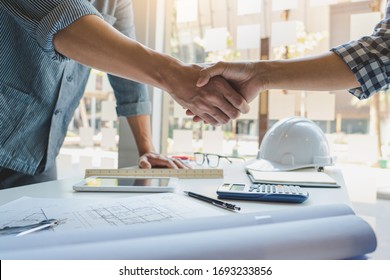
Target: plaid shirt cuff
{"x": 369, "y": 71}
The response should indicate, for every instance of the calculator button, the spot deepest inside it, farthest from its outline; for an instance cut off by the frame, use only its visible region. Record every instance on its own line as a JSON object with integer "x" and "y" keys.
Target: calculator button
{"x": 268, "y": 192}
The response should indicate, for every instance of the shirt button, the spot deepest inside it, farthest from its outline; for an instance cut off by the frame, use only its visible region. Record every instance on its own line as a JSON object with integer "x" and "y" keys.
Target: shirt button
{"x": 69, "y": 78}
{"x": 57, "y": 111}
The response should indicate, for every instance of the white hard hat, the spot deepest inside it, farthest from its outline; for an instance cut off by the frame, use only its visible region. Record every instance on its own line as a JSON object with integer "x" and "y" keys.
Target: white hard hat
{"x": 293, "y": 143}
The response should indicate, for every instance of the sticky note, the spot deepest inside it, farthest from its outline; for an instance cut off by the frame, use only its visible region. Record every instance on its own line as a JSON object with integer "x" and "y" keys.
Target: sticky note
{"x": 86, "y": 137}
{"x": 248, "y": 36}
{"x": 216, "y": 39}
{"x": 246, "y": 7}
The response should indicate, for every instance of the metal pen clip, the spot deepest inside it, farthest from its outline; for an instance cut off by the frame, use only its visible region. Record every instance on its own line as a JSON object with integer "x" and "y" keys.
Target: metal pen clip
{"x": 227, "y": 206}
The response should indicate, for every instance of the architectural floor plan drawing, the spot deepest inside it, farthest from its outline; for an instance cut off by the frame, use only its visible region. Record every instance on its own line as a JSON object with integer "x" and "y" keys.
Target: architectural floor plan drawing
{"x": 87, "y": 214}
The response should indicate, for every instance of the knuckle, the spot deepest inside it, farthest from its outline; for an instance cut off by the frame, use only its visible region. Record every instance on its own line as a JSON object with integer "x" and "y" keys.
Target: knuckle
{"x": 224, "y": 121}
{"x": 241, "y": 102}
{"x": 219, "y": 64}
{"x": 235, "y": 114}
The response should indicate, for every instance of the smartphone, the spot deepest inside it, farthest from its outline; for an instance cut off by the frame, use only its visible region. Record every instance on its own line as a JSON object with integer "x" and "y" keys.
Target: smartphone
{"x": 127, "y": 184}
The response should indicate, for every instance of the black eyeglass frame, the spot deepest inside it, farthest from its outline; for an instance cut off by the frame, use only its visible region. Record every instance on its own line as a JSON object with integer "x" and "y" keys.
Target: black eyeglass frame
{"x": 205, "y": 156}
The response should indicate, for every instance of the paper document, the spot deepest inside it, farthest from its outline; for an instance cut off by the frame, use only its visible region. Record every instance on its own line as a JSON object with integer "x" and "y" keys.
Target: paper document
{"x": 312, "y": 232}
{"x": 91, "y": 214}
{"x": 300, "y": 178}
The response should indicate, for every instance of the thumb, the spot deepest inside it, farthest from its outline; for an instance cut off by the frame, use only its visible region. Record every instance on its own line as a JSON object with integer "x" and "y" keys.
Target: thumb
{"x": 207, "y": 73}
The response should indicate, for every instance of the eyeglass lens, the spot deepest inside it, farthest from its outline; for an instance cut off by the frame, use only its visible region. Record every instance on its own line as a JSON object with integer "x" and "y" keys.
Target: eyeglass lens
{"x": 213, "y": 160}
{"x": 199, "y": 158}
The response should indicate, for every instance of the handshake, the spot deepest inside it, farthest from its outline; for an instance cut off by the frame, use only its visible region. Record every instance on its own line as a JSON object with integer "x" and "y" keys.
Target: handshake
{"x": 221, "y": 92}
{"x": 217, "y": 93}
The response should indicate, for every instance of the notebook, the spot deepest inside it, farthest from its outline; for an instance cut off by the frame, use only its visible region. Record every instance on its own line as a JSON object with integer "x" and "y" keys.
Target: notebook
{"x": 300, "y": 178}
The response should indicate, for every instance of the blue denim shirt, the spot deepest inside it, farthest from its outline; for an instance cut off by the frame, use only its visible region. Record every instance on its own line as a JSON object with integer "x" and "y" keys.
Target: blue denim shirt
{"x": 39, "y": 88}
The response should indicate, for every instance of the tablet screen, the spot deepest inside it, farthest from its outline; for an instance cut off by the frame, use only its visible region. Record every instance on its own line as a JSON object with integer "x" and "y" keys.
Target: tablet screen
{"x": 117, "y": 182}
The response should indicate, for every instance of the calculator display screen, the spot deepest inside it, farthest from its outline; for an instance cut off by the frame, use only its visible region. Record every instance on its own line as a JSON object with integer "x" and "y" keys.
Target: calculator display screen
{"x": 237, "y": 187}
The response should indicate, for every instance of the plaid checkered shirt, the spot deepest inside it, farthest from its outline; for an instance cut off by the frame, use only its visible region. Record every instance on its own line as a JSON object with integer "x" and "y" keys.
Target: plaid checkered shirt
{"x": 369, "y": 59}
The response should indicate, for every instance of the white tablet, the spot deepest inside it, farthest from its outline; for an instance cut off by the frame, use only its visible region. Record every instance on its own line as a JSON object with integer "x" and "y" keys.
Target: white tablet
{"x": 127, "y": 184}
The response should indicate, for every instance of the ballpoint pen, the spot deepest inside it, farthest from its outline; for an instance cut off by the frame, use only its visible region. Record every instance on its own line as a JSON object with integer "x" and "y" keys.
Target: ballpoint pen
{"x": 213, "y": 201}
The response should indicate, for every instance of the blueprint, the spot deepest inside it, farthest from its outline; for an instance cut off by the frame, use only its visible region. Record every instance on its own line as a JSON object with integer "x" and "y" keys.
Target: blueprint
{"x": 312, "y": 232}
{"x": 89, "y": 214}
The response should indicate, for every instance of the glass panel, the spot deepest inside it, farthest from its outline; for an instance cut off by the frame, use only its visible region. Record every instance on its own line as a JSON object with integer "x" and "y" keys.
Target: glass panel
{"x": 209, "y": 38}
{"x": 233, "y": 30}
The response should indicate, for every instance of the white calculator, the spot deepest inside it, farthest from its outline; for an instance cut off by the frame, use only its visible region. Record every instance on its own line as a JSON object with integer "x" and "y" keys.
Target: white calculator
{"x": 263, "y": 192}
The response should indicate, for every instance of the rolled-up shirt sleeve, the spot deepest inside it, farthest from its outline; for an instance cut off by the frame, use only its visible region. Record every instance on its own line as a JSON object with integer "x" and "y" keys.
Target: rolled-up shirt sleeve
{"x": 42, "y": 19}
{"x": 369, "y": 60}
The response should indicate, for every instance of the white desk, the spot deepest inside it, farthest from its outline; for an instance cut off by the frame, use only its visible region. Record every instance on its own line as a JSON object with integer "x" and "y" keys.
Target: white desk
{"x": 232, "y": 173}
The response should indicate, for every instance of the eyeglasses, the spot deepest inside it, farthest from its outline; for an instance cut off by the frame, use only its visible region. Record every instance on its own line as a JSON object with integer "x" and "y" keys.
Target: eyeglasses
{"x": 212, "y": 159}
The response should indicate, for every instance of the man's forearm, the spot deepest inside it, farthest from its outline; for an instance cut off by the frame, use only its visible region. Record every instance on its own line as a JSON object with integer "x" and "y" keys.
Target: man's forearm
{"x": 92, "y": 42}
{"x": 141, "y": 127}
{"x": 324, "y": 72}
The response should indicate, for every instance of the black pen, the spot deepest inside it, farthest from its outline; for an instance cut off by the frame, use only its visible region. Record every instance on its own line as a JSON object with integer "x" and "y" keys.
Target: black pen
{"x": 213, "y": 201}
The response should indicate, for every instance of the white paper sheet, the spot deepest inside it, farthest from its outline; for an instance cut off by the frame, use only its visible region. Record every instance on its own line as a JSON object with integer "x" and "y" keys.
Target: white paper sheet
{"x": 86, "y": 137}
{"x": 330, "y": 235}
{"x": 84, "y": 214}
{"x": 281, "y": 105}
{"x": 85, "y": 162}
{"x": 363, "y": 24}
{"x": 246, "y": 7}
{"x": 248, "y": 36}
{"x": 182, "y": 141}
{"x": 216, "y": 39}
{"x": 64, "y": 164}
{"x": 187, "y": 10}
{"x": 213, "y": 141}
{"x": 301, "y": 178}
{"x": 283, "y": 33}
{"x": 109, "y": 111}
{"x": 108, "y": 137}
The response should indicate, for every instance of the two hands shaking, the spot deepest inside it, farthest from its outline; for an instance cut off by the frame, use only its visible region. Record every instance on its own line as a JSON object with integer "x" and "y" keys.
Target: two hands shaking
{"x": 243, "y": 85}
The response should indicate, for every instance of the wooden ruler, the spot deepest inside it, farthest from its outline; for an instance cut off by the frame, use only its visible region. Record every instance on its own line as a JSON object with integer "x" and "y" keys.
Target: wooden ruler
{"x": 179, "y": 173}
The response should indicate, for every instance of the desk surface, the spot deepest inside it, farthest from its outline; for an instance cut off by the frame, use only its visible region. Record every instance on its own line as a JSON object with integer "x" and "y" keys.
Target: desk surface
{"x": 232, "y": 173}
